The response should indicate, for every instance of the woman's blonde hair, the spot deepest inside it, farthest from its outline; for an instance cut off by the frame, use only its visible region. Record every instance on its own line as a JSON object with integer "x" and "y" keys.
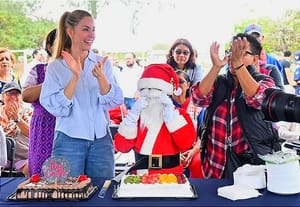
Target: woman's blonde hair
{"x": 67, "y": 20}
{"x": 12, "y": 56}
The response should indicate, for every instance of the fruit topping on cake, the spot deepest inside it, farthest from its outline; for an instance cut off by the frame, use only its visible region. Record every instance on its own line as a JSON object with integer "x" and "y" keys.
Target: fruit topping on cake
{"x": 82, "y": 178}
{"x": 155, "y": 178}
{"x": 35, "y": 178}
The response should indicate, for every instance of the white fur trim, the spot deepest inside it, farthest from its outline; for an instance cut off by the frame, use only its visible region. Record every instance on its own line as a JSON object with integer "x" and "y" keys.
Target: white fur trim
{"x": 151, "y": 136}
{"x": 155, "y": 83}
{"x": 128, "y": 132}
{"x": 176, "y": 124}
{"x": 178, "y": 92}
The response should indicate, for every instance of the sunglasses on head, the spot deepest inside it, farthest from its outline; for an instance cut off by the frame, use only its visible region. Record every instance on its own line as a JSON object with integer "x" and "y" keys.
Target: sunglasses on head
{"x": 179, "y": 52}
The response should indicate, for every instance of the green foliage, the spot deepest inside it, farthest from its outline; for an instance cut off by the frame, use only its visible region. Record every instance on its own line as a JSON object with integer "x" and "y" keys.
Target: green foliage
{"x": 20, "y": 31}
{"x": 280, "y": 35}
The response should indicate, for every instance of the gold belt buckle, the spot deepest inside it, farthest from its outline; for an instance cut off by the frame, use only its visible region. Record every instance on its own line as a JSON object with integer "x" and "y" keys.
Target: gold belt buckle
{"x": 155, "y": 162}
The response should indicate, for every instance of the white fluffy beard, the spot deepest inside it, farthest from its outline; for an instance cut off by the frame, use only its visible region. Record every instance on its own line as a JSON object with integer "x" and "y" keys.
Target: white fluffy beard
{"x": 152, "y": 115}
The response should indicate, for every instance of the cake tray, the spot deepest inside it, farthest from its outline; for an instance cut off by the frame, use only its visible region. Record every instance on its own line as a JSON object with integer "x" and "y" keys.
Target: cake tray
{"x": 116, "y": 197}
{"x": 12, "y": 197}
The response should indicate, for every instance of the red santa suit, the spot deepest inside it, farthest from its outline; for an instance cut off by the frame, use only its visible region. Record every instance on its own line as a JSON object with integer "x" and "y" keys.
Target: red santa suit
{"x": 158, "y": 138}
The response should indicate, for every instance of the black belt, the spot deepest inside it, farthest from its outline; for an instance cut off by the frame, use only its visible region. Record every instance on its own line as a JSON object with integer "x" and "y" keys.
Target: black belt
{"x": 156, "y": 162}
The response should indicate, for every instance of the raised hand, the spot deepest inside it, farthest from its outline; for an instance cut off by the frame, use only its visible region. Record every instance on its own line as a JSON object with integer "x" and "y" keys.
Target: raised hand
{"x": 98, "y": 70}
{"x": 215, "y": 57}
{"x": 74, "y": 64}
{"x": 238, "y": 48}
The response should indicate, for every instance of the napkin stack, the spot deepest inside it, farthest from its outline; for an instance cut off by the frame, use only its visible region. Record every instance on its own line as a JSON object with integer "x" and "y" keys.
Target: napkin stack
{"x": 247, "y": 179}
{"x": 237, "y": 192}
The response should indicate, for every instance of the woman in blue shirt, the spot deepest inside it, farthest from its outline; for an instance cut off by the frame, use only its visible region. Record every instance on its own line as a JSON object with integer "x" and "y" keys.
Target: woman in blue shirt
{"x": 79, "y": 89}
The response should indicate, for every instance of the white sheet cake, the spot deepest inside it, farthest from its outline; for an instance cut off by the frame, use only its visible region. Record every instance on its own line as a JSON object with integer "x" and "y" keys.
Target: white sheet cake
{"x": 155, "y": 185}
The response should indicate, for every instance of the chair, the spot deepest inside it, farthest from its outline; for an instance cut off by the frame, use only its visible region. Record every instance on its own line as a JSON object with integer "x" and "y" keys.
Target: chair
{"x": 10, "y": 171}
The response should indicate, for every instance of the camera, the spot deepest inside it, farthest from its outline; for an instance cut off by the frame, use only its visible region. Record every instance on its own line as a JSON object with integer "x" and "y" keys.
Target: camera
{"x": 281, "y": 106}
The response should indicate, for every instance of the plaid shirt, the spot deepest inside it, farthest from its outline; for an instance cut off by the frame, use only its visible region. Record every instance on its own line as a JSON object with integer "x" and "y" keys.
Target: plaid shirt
{"x": 215, "y": 159}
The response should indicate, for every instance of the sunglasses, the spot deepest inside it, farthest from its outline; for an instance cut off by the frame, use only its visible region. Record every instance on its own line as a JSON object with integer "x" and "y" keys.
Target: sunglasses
{"x": 228, "y": 52}
{"x": 179, "y": 52}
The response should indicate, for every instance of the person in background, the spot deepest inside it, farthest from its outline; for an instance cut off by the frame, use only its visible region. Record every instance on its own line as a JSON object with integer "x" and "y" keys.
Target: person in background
{"x": 38, "y": 57}
{"x": 287, "y": 73}
{"x": 286, "y": 64}
{"x": 233, "y": 118}
{"x": 42, "y": 123}
{"x": 15, "y": 119}
{"x": 116, "y": 64}
{"x": 267, "y": 64}
{"x": 183, "y": 99}
{"x": 130, "y": 74}
{"x": 96, "y": 51}
{"x": 181, "y": 57}
{"x": 270, "y": 70}
{"x": 79, "y": 89}
{"x": 256, "y": 31}
{"x": 297, "y": 73}
{"x": 7, "y": 62}
{"x": 190, "y": 158}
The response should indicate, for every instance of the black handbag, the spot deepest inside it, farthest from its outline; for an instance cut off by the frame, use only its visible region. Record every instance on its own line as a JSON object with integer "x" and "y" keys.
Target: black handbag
{"x": 232, "y": 163}
{"x": 232, "y": 160}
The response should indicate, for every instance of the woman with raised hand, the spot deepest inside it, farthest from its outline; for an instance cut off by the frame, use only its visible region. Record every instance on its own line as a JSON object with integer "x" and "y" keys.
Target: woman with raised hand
{"x": 79, "y": 89}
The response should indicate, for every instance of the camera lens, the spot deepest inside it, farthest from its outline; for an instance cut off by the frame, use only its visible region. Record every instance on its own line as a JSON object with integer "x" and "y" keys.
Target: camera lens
{"x": 281, "y": 106}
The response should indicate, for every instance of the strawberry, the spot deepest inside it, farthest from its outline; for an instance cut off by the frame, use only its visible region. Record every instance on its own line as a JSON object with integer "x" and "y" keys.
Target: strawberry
{"x": 35, "y": 178}
{"x": 82, "y": 178}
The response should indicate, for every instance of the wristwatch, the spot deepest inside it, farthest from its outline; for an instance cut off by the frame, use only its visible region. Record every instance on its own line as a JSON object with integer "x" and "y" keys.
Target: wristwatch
{"x": 18, "y": 120}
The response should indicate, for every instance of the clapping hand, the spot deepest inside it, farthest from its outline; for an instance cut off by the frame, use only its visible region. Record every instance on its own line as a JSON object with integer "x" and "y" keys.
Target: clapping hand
{"x": 98, "y": 70}
{"x": 215, "y": 58}
{"x": 12, "y": 111}
{"x": 74, "y": 64}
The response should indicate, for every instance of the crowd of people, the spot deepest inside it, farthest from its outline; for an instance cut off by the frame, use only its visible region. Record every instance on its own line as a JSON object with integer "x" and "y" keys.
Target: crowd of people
{"x": 194, "y": 121}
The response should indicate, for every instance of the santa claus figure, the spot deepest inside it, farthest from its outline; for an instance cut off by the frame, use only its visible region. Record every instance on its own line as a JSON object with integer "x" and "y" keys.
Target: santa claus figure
{"x": 156, "y": 130}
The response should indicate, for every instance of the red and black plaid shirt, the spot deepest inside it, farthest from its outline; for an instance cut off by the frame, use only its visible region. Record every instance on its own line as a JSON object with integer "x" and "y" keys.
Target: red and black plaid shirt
{"x": 215, "y": 159}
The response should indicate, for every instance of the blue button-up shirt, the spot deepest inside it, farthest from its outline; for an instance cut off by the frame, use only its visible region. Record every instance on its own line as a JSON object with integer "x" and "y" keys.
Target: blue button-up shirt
{"x": 85, "y": 116}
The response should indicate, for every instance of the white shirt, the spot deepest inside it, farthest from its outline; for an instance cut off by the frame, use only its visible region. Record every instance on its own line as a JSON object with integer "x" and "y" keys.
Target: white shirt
{"x": 128, "y": 79}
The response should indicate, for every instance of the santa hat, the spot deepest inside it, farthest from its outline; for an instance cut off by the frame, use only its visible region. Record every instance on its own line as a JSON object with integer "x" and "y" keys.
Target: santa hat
{"x": 159, "y": 76}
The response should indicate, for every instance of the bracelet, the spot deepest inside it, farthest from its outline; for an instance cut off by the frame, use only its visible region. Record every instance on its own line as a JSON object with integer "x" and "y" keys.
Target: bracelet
{"x": 237, "y": 68}
{"x": 18, "y": 120}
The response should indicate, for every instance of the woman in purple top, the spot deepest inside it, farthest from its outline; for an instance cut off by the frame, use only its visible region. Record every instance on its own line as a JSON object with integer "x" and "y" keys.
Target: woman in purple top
{"x": 42, "y": 122}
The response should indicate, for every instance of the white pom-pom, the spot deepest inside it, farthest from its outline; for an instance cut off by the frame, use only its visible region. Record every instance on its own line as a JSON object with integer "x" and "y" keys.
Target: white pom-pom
{"x": 177, "y": 92}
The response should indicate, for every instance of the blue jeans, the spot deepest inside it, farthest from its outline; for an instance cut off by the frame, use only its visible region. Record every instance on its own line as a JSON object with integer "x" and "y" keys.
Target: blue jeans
{"x": 92, "y": 158}
{"x": 129, "y": 102}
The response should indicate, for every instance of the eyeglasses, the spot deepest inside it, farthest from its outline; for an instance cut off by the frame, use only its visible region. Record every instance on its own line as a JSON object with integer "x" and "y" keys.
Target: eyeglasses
{"x": 181, "y": 81}
{"x": 228, "y": 52}
{"x": 12, "y": 93}
{"x": 249, "y": 53}
{"x": 179, "y": 52}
